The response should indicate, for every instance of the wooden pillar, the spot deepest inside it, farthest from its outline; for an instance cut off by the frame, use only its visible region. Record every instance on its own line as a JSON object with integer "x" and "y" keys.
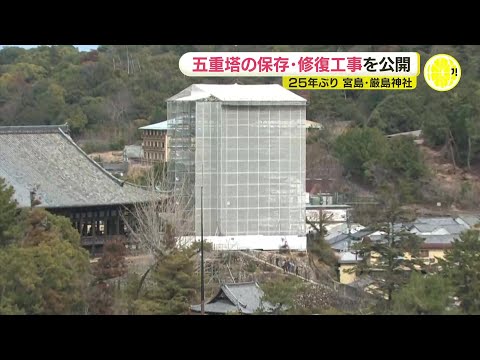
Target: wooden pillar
{"x": 117, "y": 225}
{"x": 80, "y": 223}
{"x": 120, "y": 227}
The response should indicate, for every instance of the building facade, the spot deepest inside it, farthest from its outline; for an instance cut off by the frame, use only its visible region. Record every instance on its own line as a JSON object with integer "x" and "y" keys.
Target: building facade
{"x": 48, "y": 170}
{"x": 243, "y": 147}
{"x": 155, "y": 143}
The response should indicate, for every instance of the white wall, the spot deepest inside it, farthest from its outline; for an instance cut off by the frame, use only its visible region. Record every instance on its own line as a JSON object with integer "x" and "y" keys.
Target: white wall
{"x": 255, "y": 242}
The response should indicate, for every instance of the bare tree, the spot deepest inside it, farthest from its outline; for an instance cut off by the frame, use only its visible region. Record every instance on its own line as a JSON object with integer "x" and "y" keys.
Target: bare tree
{"x": 162, "y": 223}
{"x": 117, "y": 107}
{"x": 165, "y": 221}
{"x": 323, "y": 169}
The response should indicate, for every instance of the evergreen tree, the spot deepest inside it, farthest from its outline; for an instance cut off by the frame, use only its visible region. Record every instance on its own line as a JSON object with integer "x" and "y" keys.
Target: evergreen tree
{"x": 462, "y": 267}
{"x": 45, "y": 272}
{"x": 170, "y": 288}
{"x": 390, "y": 260}
{"x": 424, "y": 294}
{"x": 8, "y": 214}
{"x": 111, "y": 266}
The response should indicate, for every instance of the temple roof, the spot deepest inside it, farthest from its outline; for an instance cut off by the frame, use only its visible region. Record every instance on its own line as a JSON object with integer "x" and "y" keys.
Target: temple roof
{"x": 245, "y": 298}
{"x": 46, "y": 159}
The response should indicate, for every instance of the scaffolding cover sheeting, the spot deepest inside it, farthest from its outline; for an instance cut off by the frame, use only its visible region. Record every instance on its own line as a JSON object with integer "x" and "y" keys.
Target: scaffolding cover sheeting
{"x": 248, "y": 155}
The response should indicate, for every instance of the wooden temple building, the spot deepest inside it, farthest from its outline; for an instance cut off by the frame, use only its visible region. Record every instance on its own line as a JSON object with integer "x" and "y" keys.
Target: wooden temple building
{"x": 47, "y": 169}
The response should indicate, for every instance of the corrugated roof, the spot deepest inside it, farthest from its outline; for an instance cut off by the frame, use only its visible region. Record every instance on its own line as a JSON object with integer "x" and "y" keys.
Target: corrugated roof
{"x": 238, "y": 93}
{"x": 158, "y": 126}
{"x": 46, "y": 158}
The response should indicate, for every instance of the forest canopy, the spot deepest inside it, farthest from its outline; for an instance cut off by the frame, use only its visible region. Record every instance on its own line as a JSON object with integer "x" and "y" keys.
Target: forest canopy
{"x": 119, "y": 86}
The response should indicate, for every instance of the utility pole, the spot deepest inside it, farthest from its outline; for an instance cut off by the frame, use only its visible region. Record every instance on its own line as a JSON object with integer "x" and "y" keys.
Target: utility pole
{"x": 202, "y": 272}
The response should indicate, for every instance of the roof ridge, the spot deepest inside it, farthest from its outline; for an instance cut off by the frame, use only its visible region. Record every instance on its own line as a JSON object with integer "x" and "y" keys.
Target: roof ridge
{"x": 241, "y": 283}
{"x": 235, "y": 300}
{"x": 116, "y": 180}
{"x": 40, "y": 129}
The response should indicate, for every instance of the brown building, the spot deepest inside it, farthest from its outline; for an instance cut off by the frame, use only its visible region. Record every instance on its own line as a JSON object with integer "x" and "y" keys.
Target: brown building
{"x": 155, "y": 143}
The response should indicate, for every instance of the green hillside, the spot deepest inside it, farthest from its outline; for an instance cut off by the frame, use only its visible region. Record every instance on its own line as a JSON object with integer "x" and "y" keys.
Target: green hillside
{"x": 106, "y": 95}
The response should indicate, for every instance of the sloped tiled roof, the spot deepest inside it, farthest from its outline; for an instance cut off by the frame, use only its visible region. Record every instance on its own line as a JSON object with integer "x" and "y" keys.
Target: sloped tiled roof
{"x": 437, "y": 241}
{"x": 423, "y": 228}
{"x": 437, "y": 221}
{"x": 240, "y": 297}
{"x": 450, "y": 229}
{"x": 470, "y": 220}
{"x": 46, "y": 158}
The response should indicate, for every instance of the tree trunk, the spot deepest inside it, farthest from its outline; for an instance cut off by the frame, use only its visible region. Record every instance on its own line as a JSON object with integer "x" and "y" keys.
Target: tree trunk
{"x": 142, "y": 280}
{"x": 469, "y": 152}
{"x": 452, "y": 152}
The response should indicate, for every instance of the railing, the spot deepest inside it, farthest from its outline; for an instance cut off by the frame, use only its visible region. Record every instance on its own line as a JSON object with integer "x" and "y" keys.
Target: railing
{"x": 101, "y": 239}
{"x": 342, "y": 199}
{"x": 346, "y": 291}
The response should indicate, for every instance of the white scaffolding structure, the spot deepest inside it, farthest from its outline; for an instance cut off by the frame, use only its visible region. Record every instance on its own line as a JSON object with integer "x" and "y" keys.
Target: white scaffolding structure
{"x": 250, "y": 140}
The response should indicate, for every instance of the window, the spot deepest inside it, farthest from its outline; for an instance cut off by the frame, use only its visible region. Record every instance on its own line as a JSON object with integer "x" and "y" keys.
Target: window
{"x": 423, "y": 253}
